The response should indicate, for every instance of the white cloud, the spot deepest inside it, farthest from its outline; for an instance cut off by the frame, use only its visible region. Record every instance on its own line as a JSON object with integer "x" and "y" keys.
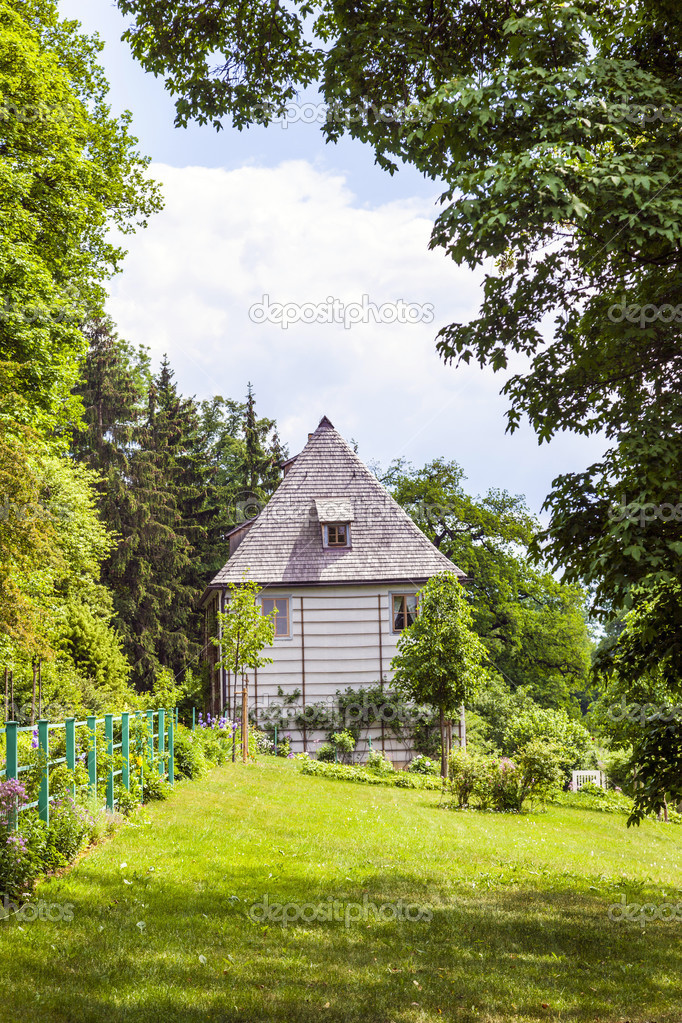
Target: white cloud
{"x": 296, "y": 233}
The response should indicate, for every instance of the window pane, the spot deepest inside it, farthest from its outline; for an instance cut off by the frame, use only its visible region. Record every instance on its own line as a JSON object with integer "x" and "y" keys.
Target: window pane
{"x": 337, "y": 535}
{"x": 411, "y": 608}
{"x": 267, "y": 605}
{"x": 282, "y": 616}
{"x": 398, "y": 614}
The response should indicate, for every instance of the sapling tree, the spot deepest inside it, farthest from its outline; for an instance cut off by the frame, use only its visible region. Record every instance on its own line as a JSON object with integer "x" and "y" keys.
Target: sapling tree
{"x": 440, "y": 659}
{"x": 243, "y": 633}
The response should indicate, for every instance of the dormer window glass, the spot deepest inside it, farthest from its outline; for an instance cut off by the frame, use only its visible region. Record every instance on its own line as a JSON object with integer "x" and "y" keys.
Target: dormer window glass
{"x": 337, "y": 534}
{"x": 335, "y": 515}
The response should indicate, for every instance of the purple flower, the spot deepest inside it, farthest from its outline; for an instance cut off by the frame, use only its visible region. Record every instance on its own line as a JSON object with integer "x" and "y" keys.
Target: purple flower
{"x": 34, "y": 739}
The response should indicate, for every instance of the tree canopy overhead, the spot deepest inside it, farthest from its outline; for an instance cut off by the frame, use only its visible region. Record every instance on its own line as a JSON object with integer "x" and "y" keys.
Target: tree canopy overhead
{"x": 554, "y": 128}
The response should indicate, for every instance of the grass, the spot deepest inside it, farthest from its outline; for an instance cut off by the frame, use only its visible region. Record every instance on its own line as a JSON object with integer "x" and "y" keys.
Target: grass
{"x": 519, "y": 931}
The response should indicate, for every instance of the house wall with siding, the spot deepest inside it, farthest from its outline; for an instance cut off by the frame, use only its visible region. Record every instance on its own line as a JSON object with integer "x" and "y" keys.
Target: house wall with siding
{"x": 340, "y": 637}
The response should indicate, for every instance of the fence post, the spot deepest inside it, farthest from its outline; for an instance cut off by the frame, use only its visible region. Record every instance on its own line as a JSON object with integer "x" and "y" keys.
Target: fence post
{"x": 109, "y": 736}
{"x": 275, "y": 740}
{"x": 140, "y": 747}
{"x": 150, "y": 736}
{"x": 12, "y": 760}
{"x": 44, "y": 793}
{"x": 92, "y": 756}
{"x": 125, "y": 748}
{"x": 11, "y": 736}
{"x": 171, "y": 751}
{"x": 194, "y": 718}
{"x": 162, "y": 739}
{"x": 70, "y": 730}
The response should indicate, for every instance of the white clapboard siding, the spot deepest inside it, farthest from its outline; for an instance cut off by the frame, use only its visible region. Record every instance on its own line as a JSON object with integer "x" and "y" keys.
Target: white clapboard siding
{"x": 340, "y": 644}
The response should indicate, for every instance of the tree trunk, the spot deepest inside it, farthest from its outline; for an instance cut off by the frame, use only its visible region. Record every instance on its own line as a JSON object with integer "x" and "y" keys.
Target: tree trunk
{"x": 245, "y": 721}
{"x": 443, "y": 746}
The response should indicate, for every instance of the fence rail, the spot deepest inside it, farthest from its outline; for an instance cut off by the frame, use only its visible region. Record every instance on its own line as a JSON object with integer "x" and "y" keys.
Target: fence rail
{"x": 159, "y": 738}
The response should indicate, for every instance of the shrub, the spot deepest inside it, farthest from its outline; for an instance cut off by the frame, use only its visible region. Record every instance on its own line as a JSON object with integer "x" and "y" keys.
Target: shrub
{"x": 540, "y": 764}
{"x": 154, "y": 785}
{"x": 346, "y": 772}
{"x": 590, "y": 789}
{"x": 377, "y": 763}
{"x": 127, "y": 802}
{"x": 503, "y": 783}
{"x": 464, "y": 775}
{"x": 344, "y": 743}
{"x": 511, "y": 720}
{"x": 18, "y": 863}
{"x": 284, "y": 746}
{"x": 500, "y": 786}
{"x": 265, "y": 744}
{"x": 423, "y": 765}
{"x": 619, "y": 769}
{"x": 326, "y": 753}
{"x": 69, "y": 827}
{"x": 190, "y": 759}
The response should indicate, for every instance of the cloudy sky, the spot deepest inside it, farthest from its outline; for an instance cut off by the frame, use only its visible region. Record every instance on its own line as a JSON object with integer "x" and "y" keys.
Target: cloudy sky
{"x": 275, "y": 216}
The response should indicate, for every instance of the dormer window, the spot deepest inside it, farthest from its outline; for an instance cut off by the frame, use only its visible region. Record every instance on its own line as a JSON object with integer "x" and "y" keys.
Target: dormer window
{"x": 337, "y": 534}
{"x": 335, "y": 515}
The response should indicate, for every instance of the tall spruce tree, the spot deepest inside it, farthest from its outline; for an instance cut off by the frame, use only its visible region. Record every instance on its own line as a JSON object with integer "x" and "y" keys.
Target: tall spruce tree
{"x": 175, "y": 477}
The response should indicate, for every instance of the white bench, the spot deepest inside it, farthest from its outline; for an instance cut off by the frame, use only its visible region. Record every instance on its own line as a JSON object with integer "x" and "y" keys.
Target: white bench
{"x": 579, "y": 778}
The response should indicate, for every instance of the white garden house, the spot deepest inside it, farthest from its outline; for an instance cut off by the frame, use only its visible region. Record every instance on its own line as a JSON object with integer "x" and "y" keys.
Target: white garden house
{"x": 342, "y": 563}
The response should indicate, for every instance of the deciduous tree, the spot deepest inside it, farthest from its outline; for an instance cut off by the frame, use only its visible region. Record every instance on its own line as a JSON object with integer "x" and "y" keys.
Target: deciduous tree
{"x": 440, "y": 659}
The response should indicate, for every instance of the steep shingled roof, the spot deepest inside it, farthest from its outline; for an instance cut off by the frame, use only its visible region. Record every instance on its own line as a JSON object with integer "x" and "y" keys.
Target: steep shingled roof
{"x": 284, "y": 544}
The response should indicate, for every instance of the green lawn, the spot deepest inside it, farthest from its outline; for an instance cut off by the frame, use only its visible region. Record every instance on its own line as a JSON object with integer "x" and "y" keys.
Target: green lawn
{"x": 519, "y": 930}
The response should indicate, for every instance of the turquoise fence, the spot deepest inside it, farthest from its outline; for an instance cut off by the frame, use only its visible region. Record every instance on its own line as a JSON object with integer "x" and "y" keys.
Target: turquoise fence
{"x": 159, "y": 739}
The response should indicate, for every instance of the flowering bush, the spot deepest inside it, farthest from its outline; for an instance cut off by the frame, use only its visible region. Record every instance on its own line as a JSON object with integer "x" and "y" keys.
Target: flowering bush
{"x": 423, "y": 765}
{"x": 501, "y": 783}
{"x": 16, "y": 867}
{"x": 265, "y": 744}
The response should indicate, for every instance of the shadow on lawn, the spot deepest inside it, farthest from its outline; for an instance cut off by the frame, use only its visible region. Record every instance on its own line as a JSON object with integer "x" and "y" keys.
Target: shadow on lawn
{"x": 501, "y": 955}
